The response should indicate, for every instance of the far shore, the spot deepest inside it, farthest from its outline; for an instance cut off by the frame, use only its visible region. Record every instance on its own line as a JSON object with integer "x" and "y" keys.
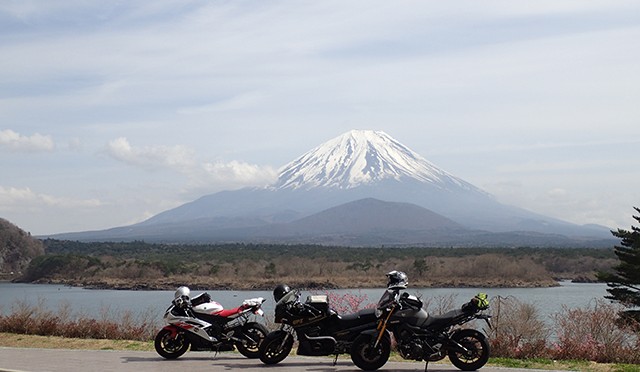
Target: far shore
{"x": 268, "y": 285}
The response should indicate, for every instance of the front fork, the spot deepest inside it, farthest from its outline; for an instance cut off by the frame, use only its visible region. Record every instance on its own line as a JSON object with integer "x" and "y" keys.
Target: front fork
{"x": 382, "y": 327}
{"x": 288, "y": 332}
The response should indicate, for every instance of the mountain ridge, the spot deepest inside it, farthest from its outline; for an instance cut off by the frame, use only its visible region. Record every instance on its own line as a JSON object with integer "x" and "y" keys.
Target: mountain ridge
{"x": 355, "y": 166}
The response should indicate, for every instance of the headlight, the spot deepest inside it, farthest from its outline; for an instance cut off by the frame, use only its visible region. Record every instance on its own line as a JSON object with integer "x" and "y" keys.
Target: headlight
{"x": 378, "y": 313}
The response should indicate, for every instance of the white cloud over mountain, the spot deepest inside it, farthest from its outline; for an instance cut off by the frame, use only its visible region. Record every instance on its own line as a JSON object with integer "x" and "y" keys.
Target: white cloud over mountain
{"x": 15, "y": 141}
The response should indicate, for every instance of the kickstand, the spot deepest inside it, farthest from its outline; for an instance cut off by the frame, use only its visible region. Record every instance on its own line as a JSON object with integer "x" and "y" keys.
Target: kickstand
{"x": 335, "y": 361}
{"x": 426, "y": 364}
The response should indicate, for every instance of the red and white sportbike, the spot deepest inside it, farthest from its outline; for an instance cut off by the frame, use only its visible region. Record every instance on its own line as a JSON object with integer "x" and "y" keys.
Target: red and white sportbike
{"x": 205, "y": 325}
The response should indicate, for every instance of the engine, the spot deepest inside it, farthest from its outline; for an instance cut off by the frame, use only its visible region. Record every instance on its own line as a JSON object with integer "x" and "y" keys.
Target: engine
{"x": 420, "y": 349}
{"x": 410, "y": 349}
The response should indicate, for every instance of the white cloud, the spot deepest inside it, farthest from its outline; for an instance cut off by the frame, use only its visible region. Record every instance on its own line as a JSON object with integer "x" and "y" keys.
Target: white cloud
{"x": 17, "y": 142}
{"x": 173, "y": 157}
{"x": 11, "y": 197}
{"x": 201, "y": 175}
{"x": 240, "y": 173}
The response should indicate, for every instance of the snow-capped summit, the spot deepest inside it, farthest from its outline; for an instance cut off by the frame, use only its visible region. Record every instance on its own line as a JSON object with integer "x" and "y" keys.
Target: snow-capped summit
{"x": 361, "y": 188}
{"x": 361, "y": 157}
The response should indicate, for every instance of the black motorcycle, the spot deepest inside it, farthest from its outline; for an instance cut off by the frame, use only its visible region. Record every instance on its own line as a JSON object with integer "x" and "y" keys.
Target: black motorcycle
{"x": 319, "y": 329}
{"x": 420, "y": 336}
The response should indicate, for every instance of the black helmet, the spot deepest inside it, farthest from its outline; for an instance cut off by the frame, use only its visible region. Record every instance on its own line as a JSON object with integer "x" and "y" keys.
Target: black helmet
{"x": 397, "y": 280}
{"x": 280, "y": 291}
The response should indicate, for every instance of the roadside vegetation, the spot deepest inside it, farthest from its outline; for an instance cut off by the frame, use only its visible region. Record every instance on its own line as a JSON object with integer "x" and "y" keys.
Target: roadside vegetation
{"x": 139, "y": 265}
{"x": 585, "y": 339}
{"x": 593, "y": 338}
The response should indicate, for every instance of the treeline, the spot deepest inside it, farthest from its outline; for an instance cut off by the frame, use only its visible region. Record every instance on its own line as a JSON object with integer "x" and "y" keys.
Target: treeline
{"x": 261, "y": 266}
{"x": 231, "y": 251}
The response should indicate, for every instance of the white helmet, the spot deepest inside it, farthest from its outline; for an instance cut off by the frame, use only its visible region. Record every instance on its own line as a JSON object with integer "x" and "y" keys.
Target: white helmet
{"x": 182, "y": 291}
{"x": 397, "y": 280}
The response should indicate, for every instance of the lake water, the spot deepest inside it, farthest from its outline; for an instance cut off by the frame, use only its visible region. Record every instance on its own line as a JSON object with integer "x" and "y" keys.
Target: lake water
{"x": 101, "y": 301}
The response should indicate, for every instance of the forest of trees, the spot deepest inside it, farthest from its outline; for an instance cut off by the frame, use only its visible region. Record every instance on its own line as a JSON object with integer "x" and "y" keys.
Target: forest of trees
{"x": 252, "y": 266}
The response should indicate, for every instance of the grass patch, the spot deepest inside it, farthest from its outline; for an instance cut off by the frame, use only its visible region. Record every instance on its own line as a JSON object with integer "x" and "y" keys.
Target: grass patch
{"x": 55, "y": 342}
{"x": 562, "y": 365}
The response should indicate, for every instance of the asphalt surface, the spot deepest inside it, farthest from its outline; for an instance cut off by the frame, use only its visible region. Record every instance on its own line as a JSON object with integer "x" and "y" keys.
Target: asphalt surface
{"x": 53, "y": 360}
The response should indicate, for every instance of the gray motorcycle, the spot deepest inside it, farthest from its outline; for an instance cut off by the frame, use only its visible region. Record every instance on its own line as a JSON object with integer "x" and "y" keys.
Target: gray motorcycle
{"x": 420, "y": 336}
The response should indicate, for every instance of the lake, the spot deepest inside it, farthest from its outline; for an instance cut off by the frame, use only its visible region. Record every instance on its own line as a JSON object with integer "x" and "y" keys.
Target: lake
{"x": 102, "y": 301}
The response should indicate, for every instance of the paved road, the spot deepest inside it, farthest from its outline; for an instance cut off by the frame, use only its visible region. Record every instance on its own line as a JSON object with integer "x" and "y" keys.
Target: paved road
{"x": 51, "y": 360}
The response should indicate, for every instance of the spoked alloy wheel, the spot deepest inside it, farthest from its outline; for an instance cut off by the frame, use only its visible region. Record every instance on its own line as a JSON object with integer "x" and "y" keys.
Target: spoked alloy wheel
{"x": 367, "y": 357}
{"x": 275, "y": 347}
{"x": 474, "y": 352}
{"x": 255, "y": 334}
{"x": 170, "y": 347}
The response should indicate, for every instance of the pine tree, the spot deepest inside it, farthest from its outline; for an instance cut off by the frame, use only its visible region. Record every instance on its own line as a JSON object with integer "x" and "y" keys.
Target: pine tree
{"x": 624, "y": 283}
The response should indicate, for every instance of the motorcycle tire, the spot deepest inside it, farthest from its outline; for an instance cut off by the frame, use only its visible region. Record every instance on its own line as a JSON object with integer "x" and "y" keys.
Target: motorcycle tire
{"x": 275, "y": 348}
{"x": 252, "y": 332}
{"x": 476, "y": 354}
{"x": 368, "y": 358}
{"x": 170, "y": 347}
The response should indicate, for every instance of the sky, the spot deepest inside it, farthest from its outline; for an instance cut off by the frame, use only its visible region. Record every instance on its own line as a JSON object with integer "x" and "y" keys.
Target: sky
{"x": 114, "y": 111}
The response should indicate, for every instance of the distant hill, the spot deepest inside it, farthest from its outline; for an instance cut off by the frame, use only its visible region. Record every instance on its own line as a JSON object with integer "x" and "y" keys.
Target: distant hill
{"x": 17, "y": 248}
{"x": 336, "y": 194}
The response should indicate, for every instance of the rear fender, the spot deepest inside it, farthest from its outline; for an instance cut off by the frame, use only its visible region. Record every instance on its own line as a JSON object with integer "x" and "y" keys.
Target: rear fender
{"x": 469, "y": 331}
{"x": 465, "y": 333}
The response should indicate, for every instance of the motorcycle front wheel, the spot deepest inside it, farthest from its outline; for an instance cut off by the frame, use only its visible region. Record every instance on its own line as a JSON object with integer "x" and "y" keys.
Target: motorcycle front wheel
{"x": 254, "y": 335}
{"x": 170, "y": 347}
{"x": 474, "y": 352}
{"x": 275, "y": 347}
{"x": 368, "y": 357}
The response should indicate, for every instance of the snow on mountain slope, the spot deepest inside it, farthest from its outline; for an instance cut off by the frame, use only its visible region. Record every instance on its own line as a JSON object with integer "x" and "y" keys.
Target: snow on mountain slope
{"x": 319, "y": 188}
{"x": 361, "y": 157}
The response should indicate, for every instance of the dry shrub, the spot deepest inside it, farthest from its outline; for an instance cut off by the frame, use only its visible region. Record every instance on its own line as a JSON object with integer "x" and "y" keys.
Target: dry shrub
{"x": 439, "y": 304}
{"x": 37, "y": 320}
{"x": 518, "y": 330}
{"x": 19, "y": 320}
{"x": 595, "y": 333}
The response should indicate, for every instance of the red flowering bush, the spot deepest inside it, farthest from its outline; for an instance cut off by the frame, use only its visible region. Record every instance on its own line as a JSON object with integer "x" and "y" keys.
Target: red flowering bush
{"x": 348, "y": 303}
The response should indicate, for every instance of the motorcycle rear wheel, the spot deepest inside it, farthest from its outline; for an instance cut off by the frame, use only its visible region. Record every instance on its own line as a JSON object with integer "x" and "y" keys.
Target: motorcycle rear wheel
{"x": 271, "y": 351}
{"x": 252, "y": 331}
{"x": 476, "y": 354}
{"x": 367, "y": 357}
{"x": 170, "y": 347}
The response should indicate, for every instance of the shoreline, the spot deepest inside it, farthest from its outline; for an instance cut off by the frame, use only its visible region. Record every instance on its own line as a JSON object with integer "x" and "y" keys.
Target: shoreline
{"x": 268, "y": 285}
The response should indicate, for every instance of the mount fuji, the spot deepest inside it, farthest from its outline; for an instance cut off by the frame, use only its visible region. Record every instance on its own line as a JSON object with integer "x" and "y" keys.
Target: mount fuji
{"x": 360, "y": 188}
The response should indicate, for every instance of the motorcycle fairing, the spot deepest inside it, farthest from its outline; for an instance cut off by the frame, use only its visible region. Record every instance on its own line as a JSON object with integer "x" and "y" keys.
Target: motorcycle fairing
{"x": 193, "y": 325}
{"x": 208, "y": 308}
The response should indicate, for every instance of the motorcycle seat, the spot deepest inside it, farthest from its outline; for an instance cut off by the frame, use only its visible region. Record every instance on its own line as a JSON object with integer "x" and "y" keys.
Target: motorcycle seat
{"x": 442, "y": 319}
{"x": 361, "y": 317}
{"x": 229, "y": 312}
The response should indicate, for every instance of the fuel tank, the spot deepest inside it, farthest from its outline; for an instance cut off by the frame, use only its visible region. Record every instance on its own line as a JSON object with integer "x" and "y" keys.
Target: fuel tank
{"x": 411, "y": 312}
